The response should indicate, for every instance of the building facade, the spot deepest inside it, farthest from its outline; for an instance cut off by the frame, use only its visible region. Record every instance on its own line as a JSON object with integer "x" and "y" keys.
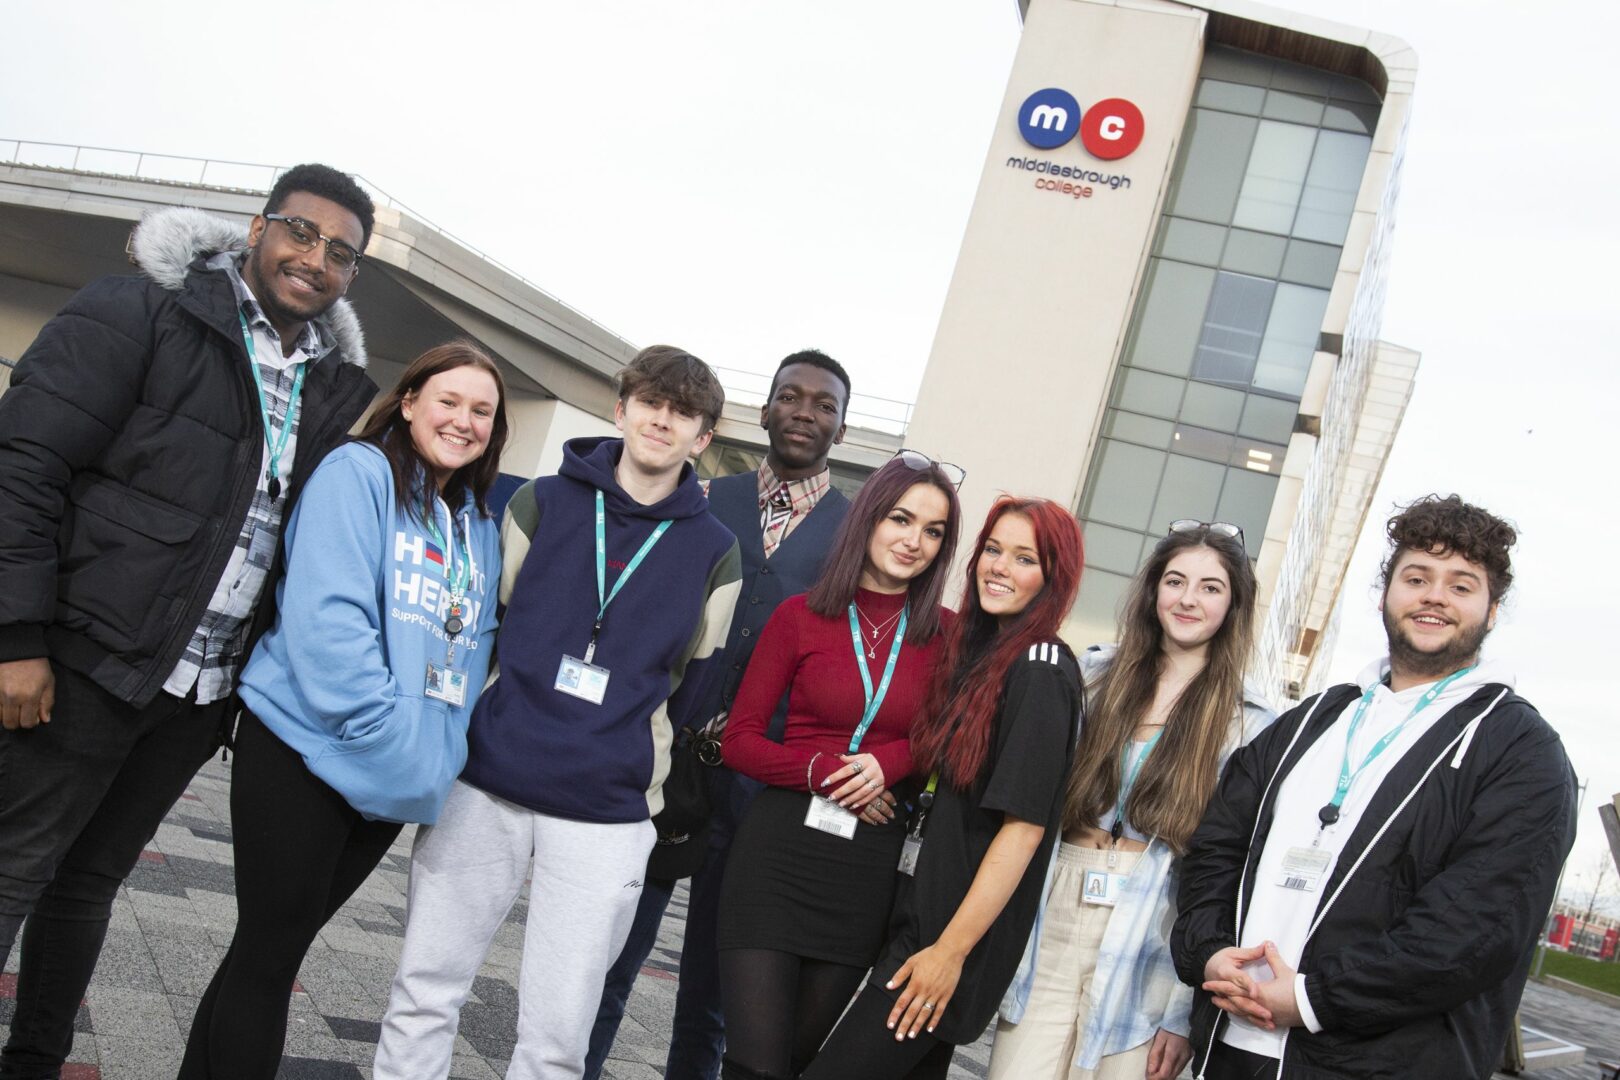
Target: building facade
{"x": 1168, "y": 297}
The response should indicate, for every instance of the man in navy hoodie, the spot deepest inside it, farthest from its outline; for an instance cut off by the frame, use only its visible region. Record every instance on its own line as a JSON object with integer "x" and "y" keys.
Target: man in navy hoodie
{"x": 619, "y": 586}
{"x": 785, "y": 515}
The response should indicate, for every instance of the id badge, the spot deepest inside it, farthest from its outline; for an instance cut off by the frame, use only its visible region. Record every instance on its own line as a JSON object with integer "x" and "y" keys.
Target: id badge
{"x": 446, "y": 684}
{"x": 1101, "y": 888}
{"x": 829, "y": 817}
{"x": 908, "y": 855}
{"x": 1303, "y": 868}
{"x": 262, "y": 548}
{"x": 585, "y": 681}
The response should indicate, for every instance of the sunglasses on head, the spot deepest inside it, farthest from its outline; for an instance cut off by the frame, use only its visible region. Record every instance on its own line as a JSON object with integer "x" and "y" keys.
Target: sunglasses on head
{"x": 1192, "y": 526}
{"x": 921, "y": 462}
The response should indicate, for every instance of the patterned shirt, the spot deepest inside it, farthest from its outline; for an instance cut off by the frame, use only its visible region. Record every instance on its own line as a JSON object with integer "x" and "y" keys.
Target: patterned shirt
{"x": 785, "y": 503}
{"x": 214, "y": 652}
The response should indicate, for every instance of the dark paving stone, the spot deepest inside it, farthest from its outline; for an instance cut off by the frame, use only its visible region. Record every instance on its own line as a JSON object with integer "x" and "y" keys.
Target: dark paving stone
{"x": 310, "y": 1069}
{"x": 368, "y": 1031}
{"x": 390, "y": 928}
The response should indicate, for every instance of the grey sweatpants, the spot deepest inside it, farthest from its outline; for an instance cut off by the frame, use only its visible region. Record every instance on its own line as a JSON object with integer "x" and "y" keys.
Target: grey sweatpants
{"x": 466, "y": 871}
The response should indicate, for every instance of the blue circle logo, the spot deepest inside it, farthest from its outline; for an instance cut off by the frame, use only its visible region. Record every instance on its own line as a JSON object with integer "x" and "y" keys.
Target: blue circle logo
{"x": 1049, "y": 118}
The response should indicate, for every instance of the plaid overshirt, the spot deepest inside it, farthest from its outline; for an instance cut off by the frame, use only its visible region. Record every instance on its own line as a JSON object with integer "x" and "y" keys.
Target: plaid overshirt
{"x": 214, "y": 652}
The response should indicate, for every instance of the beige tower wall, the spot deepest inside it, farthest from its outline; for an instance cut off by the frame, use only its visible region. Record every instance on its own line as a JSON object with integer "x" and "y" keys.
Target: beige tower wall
{"x": 25, "y": 306}
{"x": 540, "y": 426}
{"x": 1044, "y": 284}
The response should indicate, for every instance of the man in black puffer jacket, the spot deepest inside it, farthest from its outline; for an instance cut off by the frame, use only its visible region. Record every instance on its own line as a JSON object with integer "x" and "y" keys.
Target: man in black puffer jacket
{"x": 153, "y": 438}
{"x": 1365, "y": 891}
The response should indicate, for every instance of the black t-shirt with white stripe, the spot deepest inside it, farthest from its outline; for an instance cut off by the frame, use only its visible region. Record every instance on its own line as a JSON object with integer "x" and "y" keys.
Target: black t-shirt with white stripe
{"x": 1025, "y": 777}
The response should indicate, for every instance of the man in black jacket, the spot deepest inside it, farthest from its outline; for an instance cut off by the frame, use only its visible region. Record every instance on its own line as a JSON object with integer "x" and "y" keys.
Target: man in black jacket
{"x": 785, "y": 516}
{"x": 1365, "y": 891}
{"x": 153, "y": 438}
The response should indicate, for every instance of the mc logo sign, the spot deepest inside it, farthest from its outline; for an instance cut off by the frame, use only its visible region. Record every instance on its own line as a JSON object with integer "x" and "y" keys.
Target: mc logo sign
{"x": 1111, "y": 129}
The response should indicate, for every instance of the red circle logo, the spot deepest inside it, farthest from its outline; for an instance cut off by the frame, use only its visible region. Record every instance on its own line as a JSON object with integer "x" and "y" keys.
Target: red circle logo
{"x": 1112, "y": 128}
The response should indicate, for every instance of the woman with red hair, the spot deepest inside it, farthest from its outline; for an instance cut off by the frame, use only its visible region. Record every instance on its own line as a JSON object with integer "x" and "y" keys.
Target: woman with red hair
{"x": 995, "y": 742}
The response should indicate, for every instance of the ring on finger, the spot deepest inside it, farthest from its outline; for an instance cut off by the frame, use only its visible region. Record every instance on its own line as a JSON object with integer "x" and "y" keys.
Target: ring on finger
{"x": 858, "y": 766}
{"x": 929, "y": 1005}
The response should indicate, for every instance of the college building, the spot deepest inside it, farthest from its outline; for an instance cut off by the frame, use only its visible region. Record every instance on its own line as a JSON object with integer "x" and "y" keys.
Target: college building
{"x": 1166, "y": 304}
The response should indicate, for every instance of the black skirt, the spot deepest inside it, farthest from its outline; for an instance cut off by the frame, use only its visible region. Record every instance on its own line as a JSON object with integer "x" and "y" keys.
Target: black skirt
{"x": 796, "y": 889}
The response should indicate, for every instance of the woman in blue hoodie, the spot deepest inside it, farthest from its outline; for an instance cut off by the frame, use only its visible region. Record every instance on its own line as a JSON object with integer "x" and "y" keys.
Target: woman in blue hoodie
{"x": 358, "y": 697}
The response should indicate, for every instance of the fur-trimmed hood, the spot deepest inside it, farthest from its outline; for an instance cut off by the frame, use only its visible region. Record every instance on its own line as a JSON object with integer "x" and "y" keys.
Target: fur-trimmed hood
{"x": 168, "y": 241}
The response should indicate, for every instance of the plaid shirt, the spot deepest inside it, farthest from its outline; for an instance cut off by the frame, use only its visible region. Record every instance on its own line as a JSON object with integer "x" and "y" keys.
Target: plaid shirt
{"x": 785, "y": 503}
{"x": 1134, "y": 991}
{"x": 214, "y": 652}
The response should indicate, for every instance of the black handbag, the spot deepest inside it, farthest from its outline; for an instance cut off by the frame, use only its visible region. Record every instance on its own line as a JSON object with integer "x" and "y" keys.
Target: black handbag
{"x": 683, "y": 824}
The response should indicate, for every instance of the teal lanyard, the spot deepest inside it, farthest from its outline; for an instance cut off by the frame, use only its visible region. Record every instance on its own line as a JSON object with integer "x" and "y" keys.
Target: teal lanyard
{"x": 874, "y": 702}
{"x": 603, "y": 596}
{"x": 274, "y": 442}
{"x": 456, "y": 572}
{"x": 1330, "y": 813}
{"x": 1129, "y": 782}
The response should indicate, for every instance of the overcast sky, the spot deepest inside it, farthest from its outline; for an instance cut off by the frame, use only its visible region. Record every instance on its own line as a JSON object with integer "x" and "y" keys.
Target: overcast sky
{"x": 746, "y": 178}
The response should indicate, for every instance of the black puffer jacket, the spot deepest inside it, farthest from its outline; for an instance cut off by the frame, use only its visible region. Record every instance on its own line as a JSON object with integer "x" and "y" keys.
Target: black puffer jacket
{"x": 1417, "y": 967}
{"x": 130, "y": 444}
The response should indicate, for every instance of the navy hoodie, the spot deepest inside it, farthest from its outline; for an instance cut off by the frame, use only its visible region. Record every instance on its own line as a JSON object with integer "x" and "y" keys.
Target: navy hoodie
{"x": 536, "y": 746}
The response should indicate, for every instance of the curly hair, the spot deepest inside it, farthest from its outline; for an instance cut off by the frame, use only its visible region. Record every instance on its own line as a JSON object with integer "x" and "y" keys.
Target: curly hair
{"x": 1445, "y": 524}
{"x": 328, "y": 183}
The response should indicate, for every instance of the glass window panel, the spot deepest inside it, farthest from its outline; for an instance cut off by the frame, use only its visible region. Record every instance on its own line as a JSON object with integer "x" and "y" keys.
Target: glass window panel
{"x": 1216, "y": 151}
{"x": 1125, "y": 480}
{"x": 1097, "y": 608}
{"x": 1234, "y": 65}
{"x": 1296, "y": 108}
{"x": 1139, "y": 429}
{"x": 1255, "y": 456}
{"x": 1351, "y": 116}
{"x": 1274, "y": 177}
{"x": 1347, "y": 88}
{"x": 1233, "y": 329}
{"x": 1202, "y": 443}
{"x": 1330, "y": 188}
{"x": 1189, "y": 490}
{"x": 1111, "y": 548}
{"x": 1290, "y": 340}
{"x": 1310, "y": 264}
{"x": 1150, "y": 393}
{"x": 1211, "y": 406}
{"x": 1246, "y": 502}
{"x": 1255, "y": 253}
{"x": 1287, "y": 75}
{"x": 1190, "y": 241}
{"x": 1167, "y": 329}
{"x": 1268, "y": 418}
{"x": 1233, "y": 97}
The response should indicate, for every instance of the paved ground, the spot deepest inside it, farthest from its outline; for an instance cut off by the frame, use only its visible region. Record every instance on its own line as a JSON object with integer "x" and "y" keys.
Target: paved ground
{"x": 173, "y": 920}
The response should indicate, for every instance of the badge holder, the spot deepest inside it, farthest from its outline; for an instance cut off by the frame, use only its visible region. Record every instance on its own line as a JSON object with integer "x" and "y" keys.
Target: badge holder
{"x": 827, "y": 816}
{"x": 911, "y": 849}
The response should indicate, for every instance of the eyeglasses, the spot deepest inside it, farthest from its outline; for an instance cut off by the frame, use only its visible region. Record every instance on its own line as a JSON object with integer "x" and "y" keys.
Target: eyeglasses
{"x": 916, "y": 459}
{"x": 1187, "y": 526}
{"x": 305, "y": 236}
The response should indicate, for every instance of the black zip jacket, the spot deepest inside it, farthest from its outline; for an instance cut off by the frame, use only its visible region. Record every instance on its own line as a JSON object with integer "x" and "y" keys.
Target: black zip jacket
{"x": 130, "y": 446}
{"x": 1433, "y": 908}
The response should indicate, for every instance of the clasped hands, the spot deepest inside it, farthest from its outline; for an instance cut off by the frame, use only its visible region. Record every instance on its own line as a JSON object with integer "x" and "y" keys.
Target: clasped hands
{"x": 1230, "y": 975}
{"x": 861, "y": 787}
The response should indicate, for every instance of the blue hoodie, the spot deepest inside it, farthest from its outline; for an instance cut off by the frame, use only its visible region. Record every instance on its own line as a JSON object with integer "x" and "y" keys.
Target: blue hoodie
{"x": 553, "y": 753}
{"x": 360, "y": 614}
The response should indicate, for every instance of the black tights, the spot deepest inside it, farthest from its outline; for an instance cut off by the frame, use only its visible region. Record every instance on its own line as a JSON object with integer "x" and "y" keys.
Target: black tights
{"x": 863, "y": 1048}
{"x": 779, "y": 1007}
{"x": 301, "y": 852}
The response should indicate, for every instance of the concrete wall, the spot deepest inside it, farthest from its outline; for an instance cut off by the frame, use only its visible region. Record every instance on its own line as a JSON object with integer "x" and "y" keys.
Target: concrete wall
{"x": 540, "y": 426}
{"x": 25, "y": 306}
{"x": 1044, "y": 285}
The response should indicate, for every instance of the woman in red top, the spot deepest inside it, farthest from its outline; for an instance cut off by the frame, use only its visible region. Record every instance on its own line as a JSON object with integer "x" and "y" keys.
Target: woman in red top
{"x": 811, "y": 875}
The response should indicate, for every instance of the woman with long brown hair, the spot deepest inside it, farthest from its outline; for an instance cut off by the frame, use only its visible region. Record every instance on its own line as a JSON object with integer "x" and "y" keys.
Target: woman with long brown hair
{"x": 995, "y": 743}
{"x": 811, "y": 874}
{"x": 357, "y": 698}
{"x": 1097, "y": 997}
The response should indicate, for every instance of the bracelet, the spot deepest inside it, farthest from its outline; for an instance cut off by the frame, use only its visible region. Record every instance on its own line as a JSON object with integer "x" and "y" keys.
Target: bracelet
{"x": 809, "y": 770}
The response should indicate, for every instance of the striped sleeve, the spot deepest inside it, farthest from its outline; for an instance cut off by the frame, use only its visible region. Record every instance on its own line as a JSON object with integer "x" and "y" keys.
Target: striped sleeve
{"x": 689, "y": 679}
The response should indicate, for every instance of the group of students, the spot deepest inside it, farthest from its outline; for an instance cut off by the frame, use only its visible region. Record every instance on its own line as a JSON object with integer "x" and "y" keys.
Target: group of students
{"x": 918, "y": 821}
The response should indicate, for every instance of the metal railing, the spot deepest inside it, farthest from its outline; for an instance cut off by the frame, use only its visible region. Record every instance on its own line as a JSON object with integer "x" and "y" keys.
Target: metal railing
{"x": 883, "y": 414}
